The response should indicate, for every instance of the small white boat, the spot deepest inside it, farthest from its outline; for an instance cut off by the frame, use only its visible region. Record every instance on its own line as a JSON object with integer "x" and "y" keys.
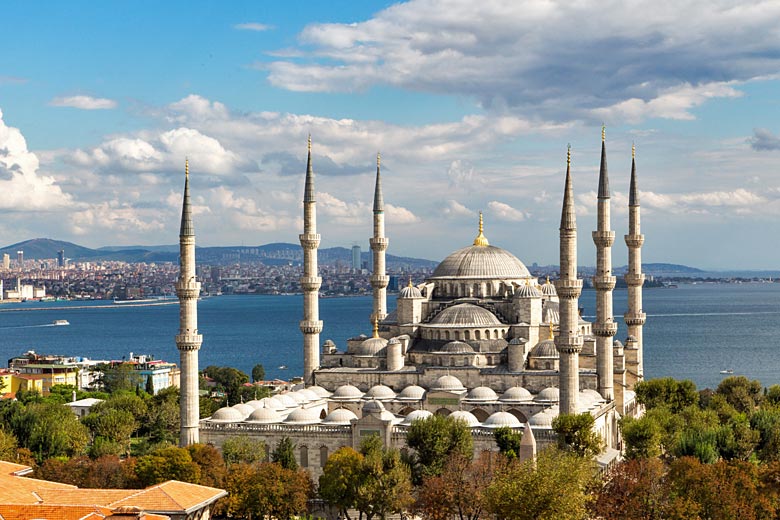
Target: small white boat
{"x": 282, "y": 367}
{"x": 60, "y": 322}
{"x": 727, "y": 371}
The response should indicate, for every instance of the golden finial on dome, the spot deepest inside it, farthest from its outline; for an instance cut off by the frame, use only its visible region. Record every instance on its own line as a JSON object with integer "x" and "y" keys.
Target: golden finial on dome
{"x": 309, "y": 143}
{"x": 603, "y": 132}
{"x": 548, "y": 280}
{"x": 376, "y": 327}
{"x": 186, "y": 167}
{"x": 481, "y": 241}
{"x": 410, "y": 281}
{"x": 552, "y": 334}
{"x": 568, "y": 154}
{"x": 633, "y": 151}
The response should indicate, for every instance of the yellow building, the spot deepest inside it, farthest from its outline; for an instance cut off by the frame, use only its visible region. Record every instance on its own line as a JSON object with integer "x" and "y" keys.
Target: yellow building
{"x": 11, "y": 382}
{"x": 50, "y": 374}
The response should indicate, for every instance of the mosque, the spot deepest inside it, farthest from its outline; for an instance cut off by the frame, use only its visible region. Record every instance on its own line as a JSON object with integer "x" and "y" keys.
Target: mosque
{"x": 481, "y": 340}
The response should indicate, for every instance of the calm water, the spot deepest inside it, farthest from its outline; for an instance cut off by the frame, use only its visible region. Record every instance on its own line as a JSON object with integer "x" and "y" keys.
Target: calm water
{"x": 692, "y": 332}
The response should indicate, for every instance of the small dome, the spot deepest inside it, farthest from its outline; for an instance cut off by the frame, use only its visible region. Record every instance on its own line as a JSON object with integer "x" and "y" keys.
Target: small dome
{"x": 347, "y": 392}
{"x": 256, "y": 404}
{"x": 548, "y": 289}
{"x": 592, "y": 396}
{"x": 416, "y": 414}
{"x": 467, "y": 417}
{"x": 548, "y": 395}
{"x": 618, "y": 344}
{"x": 374, "y": 407}
{"x": 227, "y": 415}
{"x": 516, "y": 394}
{"x": 328, "y": 343}
{"x": 264, "y": 416}
{"x": 288, "y": 400}
{"x": 274, "y": 403}
{"x": 380, "y": 392}
{"x": 482, "y": 393}
{"x": 372, "y": 347}
{"x": 412, "y": 392}
{"x": 339, "y": 417}
{"x": 318, "y": 390}
{"x": 303, "y": 416}
{"x": 518, "y": 341}
{"x": 448, "y": 384}
{"x": 456, "y": 347}
{"x": 544, "y": 349}
{"x": 501, "y": 419}
{"x": 527, "y": 291}
{"x": 466, "y": 314}
{"x": 544, "y": 418}
{"x": 300, "y": 399}
{"x": 631, "y": 338}
{"x": 244, "y": 408}
{"x": 410, "y": 291}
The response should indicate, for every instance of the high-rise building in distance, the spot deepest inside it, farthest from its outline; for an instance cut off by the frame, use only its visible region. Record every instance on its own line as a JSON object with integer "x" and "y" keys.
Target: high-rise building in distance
{"x": 20, "y": 259}
{"x": 61, "y": 258}
{"x": 6, "y": 261}
{"x": 356, "y": 258}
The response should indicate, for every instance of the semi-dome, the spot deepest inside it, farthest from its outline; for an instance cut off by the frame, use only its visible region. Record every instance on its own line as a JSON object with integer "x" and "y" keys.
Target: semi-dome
{"x": 481, "y": 393}
{"x": 544, "y": 349}
{"x": 527, "y": 291}
{"x": 414, "y": 415}
{"x": 303, "y": 416}
{"x": 501, "y": 419}
{"x": 448, "y": 384}
{"x": 481, "y": 262}
{"x": 227, "y": 415}
{"x": 346, "y": 392}
{"x": 380, "y": 392}
{"x": 456, "y": 347}
{"x": 339, "y": 417}
{"x": 516, "y": 394}
{"x": 466, "y": 315}
{"x": 548, "y": 395}
{"x": 467, "y": 417}
{"x": 412, "y": 392}
{"x": 544, "y": 419}
{"x": 264, "y": 416}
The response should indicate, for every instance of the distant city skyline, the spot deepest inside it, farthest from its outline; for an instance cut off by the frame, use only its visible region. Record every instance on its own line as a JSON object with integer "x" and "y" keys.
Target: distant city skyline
{"x": 471, "y": 107}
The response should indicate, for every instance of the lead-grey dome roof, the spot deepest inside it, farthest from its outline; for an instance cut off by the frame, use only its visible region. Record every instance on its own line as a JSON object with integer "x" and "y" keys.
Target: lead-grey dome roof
{"x": 466, "y": 314}
{"x": 527, "y": 291}
{"x": 448, "y": 384}
{"x": 456, "y": 347}
{"x": 545, "y": 349}
{"x": 481, "y": 262}
{"x": 372, "y": 347}
{"x": 410, "y": 291}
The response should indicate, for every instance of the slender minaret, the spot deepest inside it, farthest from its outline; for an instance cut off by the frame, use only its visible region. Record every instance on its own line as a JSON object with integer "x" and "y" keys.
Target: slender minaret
{"x": 605, "y": 327}
{"x": 311, "y": 325}
{"x": 634, "y": 317}
{"x": 188, "y": 340}
{"x": 568, "y": 287}
{"x": 379, "y": 242}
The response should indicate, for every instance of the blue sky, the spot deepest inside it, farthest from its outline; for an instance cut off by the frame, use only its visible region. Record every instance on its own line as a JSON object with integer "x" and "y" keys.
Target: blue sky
{"x": 472, "y": 107}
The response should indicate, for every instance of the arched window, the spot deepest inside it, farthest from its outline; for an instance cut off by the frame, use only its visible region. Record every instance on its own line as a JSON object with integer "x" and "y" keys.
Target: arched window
{"x": 447, "y": 335}
{"x": 477, "y": 335}
{"x": 323, "y": 456}
{"x": 304, "y": 456}
{"x": 467, "y": 334}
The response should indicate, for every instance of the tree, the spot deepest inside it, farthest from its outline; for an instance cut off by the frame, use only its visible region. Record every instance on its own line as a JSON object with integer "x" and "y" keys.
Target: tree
{"x": 212, "y": 467}
{"x": 161, "y": 423}
{"x": 266, "y": 490}
{"x": 229, "y": 379}
{"x": 49, "y": 430}
{"x": 104, "y": 472}
{"x": 575, "y": 433}
{"x": 8, "y": 445}
{"x": 258, "y": 373}
{"x": 459, "y": 492}
{"x": 633, "y": 490}
{"x": 508, "y": 441}
{"x": 741, "y": 393}
{"x": 667, "y": 392}
{"x": 385, "y": 482}
{"x": 642, "y": 437}
{"x": 113, "y": 425}
{"x": 284, "y": 454}
{"x": 149, "y": 385}
{"x": 243, "y": 449}
{"x": 340, "y": 480}
{"x": 168, "y": 463}
{"x": 553, "y": 487}
{"x": 117, "y": 377}
{"x": 434, "y": 439}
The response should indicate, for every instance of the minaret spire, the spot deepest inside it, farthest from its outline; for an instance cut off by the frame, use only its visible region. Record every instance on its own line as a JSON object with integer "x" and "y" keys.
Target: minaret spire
{"x": 634, "y": 317}
{"x": 604, "y": 327}
{"x": 568, "y": 287}
{"x": 379, "y": 243}
{"x": 188, "y": 340}
{"x": 311, "y": 325}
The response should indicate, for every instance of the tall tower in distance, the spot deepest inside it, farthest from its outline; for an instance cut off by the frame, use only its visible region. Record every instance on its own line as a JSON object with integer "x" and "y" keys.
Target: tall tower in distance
{"x": 568, "y": 287}
{"x": 61, "y": 258}
{"x": 604, "y": 282}
{"x": 356, "y": 258}
{"x": 188, "y": 340}
{"x": 311, "y": 325}
{"x": 20, "y": 259}
{"x": 379, "y": 242}
{"x": 634, "y": 317}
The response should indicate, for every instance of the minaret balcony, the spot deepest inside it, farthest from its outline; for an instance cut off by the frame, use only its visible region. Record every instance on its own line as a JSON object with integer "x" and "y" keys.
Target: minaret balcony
{"x": 603, "y": 238}
{"x": 311, "y": 283}
{"x": 569, "y": 344}
{"x": 379, "y": 281}
{"x": 379, "y": 243}
{"x": 605, "y": 330}
{"x": 634, "y": 280}
{"x": 604, "y": 283}
{"x": 568, "y": 288}
{"x": 188, "y": 341}
{"x": 311, "y": 326}
{"x": 635, "y": 318}
{"x": 634, "y": 240}
{"x": 309, "y": 240}
{"x": 189, "y": 290}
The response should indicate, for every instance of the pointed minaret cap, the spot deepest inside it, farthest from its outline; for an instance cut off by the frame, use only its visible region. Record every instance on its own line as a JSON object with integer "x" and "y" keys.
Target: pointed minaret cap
{"x": 308, "y": 193}
{"x": 633, "y": 191}
{"x": 481, "y": 240}
{"x": 379, "y": 203}
{"x": 568, "y": 217}
{"x": 187, "y": 228}
{"x": 603, "y": 175}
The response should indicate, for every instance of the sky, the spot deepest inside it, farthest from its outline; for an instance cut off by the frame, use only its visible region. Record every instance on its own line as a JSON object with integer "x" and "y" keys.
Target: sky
{"x": 471, "y": 104}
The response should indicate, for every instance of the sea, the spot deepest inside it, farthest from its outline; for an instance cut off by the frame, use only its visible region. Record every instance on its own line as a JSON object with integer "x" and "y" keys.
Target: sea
{"x": 693, "y": 331}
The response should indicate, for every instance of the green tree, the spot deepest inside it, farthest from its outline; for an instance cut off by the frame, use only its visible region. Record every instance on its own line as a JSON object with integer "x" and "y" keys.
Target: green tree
{"x": 113, "y": 425}
{"x": 284, "y": 454}
{"x": 635, "y": 489}
{"x": 642, "y": 437}
{"x": 741, "y": 393}
{"x": 459, "y": 492}
{"x": 209, "y": 460}
{"x": 666, "y": 392}
{"x": 243, "y": 449}
{"x": 553, "y": 487}
{"x": 8, "y": 445}
{"x": 340, "y": 480}
{"x": 266, "y": 491}
{"x": 49, "y": 430}
{"x": 434, "y": 439}
{"x": 575, "y": 433}
{"x": 168, "y": 463}
{"x": 508, "y": 441}
{"x": 228, "y": 379}
{"x": 258, "y": 373}
{"x": 117, "y": 377}
{"x": 385, "y": 481}
{"x": 149, "y": 385}
{"x": 161, "y": 423}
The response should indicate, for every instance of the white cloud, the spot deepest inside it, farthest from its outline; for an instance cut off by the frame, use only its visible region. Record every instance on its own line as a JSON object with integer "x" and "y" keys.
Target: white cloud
{"x": 84, "y": 102}
{"x": 253, "y": 26}
{"x": 456, "y": 209}
{"x": 506, "y": 212}
{"x": 400, "y": 215}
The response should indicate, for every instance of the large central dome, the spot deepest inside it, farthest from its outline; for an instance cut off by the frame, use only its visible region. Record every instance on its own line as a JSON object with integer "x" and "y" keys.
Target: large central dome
{"x": 481, "y": 262}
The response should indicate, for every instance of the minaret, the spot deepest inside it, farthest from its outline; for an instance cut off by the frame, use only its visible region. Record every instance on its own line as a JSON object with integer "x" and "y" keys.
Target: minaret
{"x": 311, "y": 325}
{"x": 605, "y": 327}
{"x": 188, "y": 340}
{"x": 379, "y": 242}
{"x": 568, "y": 287}
{"x": 634, "y": 317}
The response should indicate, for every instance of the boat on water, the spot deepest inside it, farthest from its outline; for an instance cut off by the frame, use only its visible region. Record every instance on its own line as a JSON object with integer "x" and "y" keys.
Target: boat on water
{"x": 60, "y": 322}
{"x": 282, "y": 367}
{"x": 727, "y": 371}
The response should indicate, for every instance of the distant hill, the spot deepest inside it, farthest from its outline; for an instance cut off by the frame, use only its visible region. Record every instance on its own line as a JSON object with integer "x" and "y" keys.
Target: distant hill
{"x": 39, "y": 248}
{"x": 661, "y": 269}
